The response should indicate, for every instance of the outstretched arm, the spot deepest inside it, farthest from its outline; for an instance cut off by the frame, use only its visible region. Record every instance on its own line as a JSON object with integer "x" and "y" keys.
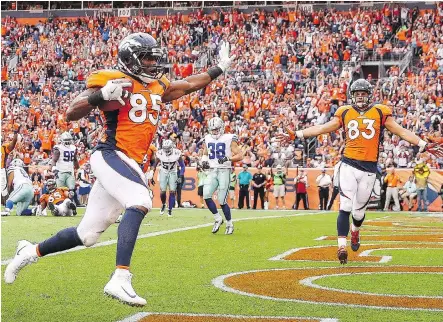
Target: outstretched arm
{"x": 405, "y": 134}
{"x": 433, "y": 148}
{"x": 332, "y": 125}
{"x": 193, "y": 83}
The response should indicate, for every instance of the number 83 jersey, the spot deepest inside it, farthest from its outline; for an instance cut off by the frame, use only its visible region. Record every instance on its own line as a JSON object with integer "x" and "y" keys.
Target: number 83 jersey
{"x": 363, "y": 131}
{"x": 131, "y": 128}
{"x": 219, "y": 148}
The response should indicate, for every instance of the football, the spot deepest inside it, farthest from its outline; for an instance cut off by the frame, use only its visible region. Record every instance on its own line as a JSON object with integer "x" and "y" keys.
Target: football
{"x": 107, "y": 106}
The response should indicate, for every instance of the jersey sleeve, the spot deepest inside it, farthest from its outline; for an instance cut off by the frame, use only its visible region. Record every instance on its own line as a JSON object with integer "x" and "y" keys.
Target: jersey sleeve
{"x": 340, "y": 113}
{"x": 386, "y": 111}
{"x": 101, "y": 77}
{"x": 44, "y": 198}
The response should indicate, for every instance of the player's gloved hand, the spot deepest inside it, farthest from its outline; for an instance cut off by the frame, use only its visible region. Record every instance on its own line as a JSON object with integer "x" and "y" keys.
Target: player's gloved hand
{"x": 223, "y": 160}
{"x": 150, "y": 174}
{"x": 179, "y": 180}
{"x": 225, "y": 59}
{"x": 71, "y": 194}
{"x": 205, "y": 165}
{"x": 433, "y": 148}
{"x": 112, "y": 91}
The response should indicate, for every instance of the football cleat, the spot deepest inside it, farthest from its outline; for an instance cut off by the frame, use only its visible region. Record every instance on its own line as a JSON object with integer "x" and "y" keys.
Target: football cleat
{"x": 120, "y": 288}
{"x": 73, "y": 207}
{"x": 342, "y": 255}
{"x": 217, "y": 225}
{"x": 355, "y": 240}
{"x": 229, "y": 229}
{"x": 54, "y": 209}
{"x": 162, "y": 210}
{"x": 26, "y": 254}
{"x": 169, "y": 213}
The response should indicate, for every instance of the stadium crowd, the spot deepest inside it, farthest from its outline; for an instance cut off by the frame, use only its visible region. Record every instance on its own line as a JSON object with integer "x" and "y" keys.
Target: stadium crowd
{"x": 293, "y": 71}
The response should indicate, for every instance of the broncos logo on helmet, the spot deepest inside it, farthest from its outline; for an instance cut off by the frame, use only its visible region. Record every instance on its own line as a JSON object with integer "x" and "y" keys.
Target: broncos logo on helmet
{"x": 140, "y": 56}
{"x": 359, "y": 101}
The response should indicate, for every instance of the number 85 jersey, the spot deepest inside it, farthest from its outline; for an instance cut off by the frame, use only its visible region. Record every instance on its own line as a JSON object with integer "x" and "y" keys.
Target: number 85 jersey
{"x": 219, "y": 148}
{"x": 363, "y": 131}
{"x": 131, "y": 128}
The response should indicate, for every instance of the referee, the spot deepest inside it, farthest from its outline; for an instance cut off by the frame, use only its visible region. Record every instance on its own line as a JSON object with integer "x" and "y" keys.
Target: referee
{"x": 323, "y": 182}
{"x": 258, "y": 183}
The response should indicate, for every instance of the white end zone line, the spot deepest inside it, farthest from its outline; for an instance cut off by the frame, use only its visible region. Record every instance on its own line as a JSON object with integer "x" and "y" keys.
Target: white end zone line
{"x": 165, "y": 232}
{"x": 219, "y": 283}
{"x": 366, "y": 253}
{"x": 138, "y": 316}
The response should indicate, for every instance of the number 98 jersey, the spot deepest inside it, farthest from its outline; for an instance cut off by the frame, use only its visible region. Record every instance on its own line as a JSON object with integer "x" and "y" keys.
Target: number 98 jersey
{"x": 219, "y": 148}
{"x": 363, "y": 131}
{"x": 65, "y": 162}
{"x": 131, "y": 128}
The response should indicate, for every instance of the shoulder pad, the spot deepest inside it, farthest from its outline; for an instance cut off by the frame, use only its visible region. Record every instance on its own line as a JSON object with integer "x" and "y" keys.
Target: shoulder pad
{"x": 101, "y": 77}
{"x": 341, "y": 109}
{"x": 386, "y": 110}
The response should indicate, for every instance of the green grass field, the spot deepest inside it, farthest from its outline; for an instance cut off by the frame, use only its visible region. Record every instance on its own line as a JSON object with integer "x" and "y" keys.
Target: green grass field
{"x": 173, "y": 271}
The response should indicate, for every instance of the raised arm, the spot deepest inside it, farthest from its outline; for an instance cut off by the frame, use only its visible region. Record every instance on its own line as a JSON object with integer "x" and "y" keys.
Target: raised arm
{"x": 332, "y": 125}
{"x": 193, "y": 83}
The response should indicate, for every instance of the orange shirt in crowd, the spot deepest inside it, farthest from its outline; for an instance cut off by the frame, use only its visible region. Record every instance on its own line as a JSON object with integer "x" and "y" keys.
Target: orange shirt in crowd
{"x": 392, "y": 179}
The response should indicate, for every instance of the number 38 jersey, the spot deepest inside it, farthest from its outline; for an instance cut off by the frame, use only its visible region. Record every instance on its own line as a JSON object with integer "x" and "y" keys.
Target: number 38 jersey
{"x": 219, "y": 148}
{"x": 364, "y": 132}
{"x": 131, "y": 128}
{"x": 65, "y": 162}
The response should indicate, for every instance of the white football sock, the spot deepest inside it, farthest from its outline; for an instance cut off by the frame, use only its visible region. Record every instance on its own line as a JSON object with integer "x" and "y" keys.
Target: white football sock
{"x": 341, "y": 241}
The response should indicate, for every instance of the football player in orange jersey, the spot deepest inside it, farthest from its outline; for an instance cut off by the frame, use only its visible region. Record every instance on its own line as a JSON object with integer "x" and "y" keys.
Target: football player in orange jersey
{"x": 363, "y": 124}
{"x": 116, "y": 162}
{"x": 58, "y": 200}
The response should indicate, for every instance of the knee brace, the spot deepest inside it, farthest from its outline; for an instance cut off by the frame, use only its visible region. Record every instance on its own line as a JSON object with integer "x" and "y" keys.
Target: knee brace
{"x": 345, "y": 204}
{"x": 358, "y": 215}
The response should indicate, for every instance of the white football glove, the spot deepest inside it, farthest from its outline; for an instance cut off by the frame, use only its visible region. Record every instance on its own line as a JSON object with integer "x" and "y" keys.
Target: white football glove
{"x": 225, "y": 59}
{"x": 113, "y": 90}
{"x": 150, "y": 174}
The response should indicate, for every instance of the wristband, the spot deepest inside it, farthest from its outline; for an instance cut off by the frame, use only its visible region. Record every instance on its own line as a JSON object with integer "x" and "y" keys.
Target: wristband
{"x": 422, "y": 145}
{"x": 214, "y": 72}
{"x": 95, "y": 98}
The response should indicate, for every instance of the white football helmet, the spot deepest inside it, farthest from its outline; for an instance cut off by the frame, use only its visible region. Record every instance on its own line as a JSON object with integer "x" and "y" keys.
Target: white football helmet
{"x": 17, "y": 163}
{"x": 167, "y": 146}
{"x": 216, "y": 127}
{"x": 66, "y": 139}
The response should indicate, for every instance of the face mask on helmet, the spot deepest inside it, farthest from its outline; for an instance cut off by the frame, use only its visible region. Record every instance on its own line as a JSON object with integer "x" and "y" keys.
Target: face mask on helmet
{"x": 51, "y": 185}
{"x": 141, "y": 57}
{"x": 216, "y": 128}
{"x": 361, "y": 94}
{"x": 167, "y": 147}
{"x": 216, "y": 133}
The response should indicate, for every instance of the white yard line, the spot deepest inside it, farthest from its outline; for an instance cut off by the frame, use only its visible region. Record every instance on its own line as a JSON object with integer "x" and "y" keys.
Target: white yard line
{"x": 171, "y": 231}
